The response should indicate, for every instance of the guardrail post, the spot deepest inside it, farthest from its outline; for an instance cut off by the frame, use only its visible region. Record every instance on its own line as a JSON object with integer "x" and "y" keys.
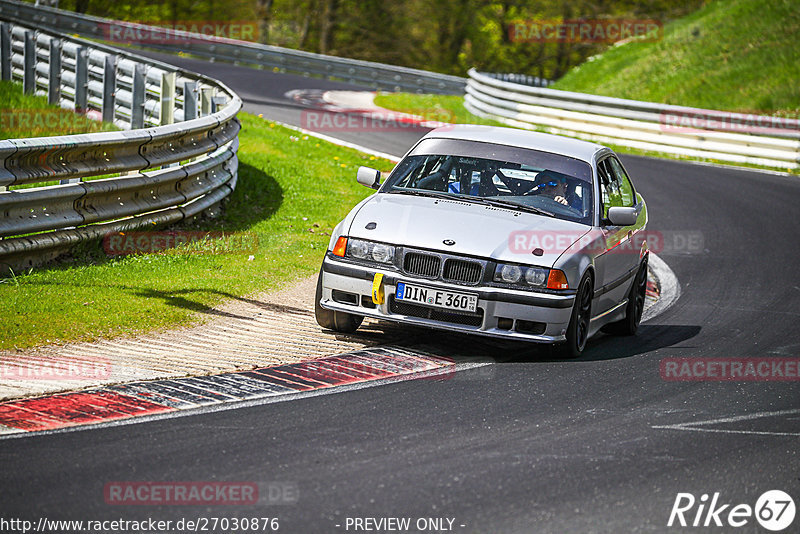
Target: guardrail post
{"x": 217, "y": 103}
{"x": 5, "y": 50}
{"x": 167, "y": 114}
{"x": 54, "y": 79}
{"x": 109, "y": 87}
{"x": 81, "y": 80}
{"x": 206, "y": 98}
{"x": 29, "y": 64}
{"x": 189, "y": 101}
{"x": 137, "y": 98}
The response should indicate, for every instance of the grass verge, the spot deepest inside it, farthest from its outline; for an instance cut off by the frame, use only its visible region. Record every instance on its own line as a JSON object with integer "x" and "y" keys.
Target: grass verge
{"x": 292, "y": 190}
{"x": 24, "y": 116}
{"x": 441, "y": 108}
{"x": 732, "y": 55}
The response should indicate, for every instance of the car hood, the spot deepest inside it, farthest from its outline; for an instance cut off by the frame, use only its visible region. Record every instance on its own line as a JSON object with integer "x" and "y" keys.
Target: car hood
{"x": 477, "y": 230}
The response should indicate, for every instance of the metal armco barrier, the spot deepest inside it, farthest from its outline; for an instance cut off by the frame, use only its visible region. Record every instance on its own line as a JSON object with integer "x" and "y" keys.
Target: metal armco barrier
{"x": 377, "y": 75}
{"x": 649, "y": 126}
{"x": 171, "y": 163}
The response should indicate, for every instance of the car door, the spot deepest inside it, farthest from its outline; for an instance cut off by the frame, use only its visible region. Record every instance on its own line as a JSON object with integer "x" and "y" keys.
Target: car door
{"x": 618, "y": 261}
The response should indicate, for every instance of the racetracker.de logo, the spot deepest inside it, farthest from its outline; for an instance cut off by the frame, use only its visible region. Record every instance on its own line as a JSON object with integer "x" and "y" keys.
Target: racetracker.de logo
{"x": 702, "y": 120}
{"x": 584, "y": 30}
{"x": 27, "y": 120}
{"x": 87, "y": 368}
{"x": 179, "y": 242}
{"x": 730, "y": 369}
{"x": 540, "y": 242}
{"x": 179, "y": 32}
{"x": 373, "y": 121}
{"x": 180, "y": 493}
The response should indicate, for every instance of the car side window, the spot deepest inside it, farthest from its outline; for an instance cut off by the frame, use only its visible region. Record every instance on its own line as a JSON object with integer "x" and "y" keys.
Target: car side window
{"x": 624, "y": 185}
{"x": 609, "y": 188}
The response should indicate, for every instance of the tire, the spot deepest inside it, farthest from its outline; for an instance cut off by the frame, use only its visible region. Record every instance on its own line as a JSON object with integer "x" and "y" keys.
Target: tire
{"x": 334, "y": 320}
{"x": 635, "y": 308}
{"x": 578, "y": 329}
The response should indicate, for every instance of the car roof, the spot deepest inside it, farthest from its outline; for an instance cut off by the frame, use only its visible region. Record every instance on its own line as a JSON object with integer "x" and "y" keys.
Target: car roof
{"x": 556, "y": 144}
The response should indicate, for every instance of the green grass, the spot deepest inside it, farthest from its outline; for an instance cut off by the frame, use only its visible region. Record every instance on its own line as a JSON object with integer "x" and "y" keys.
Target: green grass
{"x": 292, "y": 190}
{"x": 24, "y": 115}
{"x": 733, "y": 55}
{"x": 441, "y": 108}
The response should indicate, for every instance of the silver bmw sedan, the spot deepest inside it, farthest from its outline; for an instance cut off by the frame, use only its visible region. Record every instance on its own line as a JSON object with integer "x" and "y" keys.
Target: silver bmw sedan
{"x": 496, "y": 232}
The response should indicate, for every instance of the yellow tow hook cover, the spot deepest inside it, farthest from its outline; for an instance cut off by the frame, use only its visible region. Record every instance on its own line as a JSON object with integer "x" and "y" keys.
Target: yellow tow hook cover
{"x": 378, "y": 295}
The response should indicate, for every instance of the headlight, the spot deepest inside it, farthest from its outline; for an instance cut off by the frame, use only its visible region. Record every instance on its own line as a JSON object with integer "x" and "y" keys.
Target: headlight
{"x": 359, "y": 249}
{"x": 369, "y": 251}
{"x": 536, "y": 277}
{"x": 524, "y": 276}
{"x": 510, "y": 274}
{"x": 382, "y": 253}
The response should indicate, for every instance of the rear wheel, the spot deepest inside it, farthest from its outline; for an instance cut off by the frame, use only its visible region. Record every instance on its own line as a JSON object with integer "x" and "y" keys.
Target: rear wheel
{"x": 635, "y": 308}
{"x": 334, "y": 320}
{"x": 578, "y": 329}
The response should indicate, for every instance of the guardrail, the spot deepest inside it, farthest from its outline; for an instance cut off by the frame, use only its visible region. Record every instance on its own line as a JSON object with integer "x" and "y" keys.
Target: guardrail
{"x": 691, "y": 132}
{"x": 162, "y": 171}
{"x": 376, "y": 75}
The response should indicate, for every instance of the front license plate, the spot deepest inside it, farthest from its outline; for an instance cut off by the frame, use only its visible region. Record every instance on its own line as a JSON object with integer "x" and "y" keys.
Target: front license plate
{"x": 450, "y": 300}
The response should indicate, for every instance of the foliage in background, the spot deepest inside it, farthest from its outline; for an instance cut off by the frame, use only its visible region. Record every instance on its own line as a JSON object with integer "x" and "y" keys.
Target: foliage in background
{"x": 448, "y": 36}
{"x": 736, "y": 55}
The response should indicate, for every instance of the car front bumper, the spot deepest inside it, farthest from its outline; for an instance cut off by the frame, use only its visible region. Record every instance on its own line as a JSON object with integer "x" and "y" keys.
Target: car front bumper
{"x": 502, "y": 313}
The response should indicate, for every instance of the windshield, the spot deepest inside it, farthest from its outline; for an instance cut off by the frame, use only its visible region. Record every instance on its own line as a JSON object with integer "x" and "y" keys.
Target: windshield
{"x": 517, "y": 178}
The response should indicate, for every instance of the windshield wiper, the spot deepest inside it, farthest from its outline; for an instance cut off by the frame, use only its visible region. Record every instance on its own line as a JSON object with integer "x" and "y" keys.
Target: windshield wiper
{"x": 425, "y": 193}
{"x": 510, "y": 205}
{"x": 476, "y": 200}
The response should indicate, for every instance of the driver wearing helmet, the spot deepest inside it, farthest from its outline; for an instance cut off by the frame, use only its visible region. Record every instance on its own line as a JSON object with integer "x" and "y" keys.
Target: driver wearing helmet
{"x": 551, "y": 186}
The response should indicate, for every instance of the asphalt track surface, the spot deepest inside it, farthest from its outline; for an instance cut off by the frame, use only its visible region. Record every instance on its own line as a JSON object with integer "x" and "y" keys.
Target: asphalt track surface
{"x": 528, "y": 444}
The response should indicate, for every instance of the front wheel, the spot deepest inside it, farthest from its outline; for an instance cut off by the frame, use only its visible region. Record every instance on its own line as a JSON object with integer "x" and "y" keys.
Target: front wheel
{"x": 578, "y": 329}
{"x": 334, "y": 320}
{"x": 635, "y": 308}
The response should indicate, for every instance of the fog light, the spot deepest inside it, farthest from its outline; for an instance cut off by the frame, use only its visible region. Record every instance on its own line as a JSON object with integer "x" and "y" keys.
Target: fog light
{"x": 505, "y": 323}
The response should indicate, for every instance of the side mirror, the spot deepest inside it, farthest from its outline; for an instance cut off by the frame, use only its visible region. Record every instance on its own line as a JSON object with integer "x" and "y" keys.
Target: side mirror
{"x": 619, "y": 216}
{"x": 369, "y": 177}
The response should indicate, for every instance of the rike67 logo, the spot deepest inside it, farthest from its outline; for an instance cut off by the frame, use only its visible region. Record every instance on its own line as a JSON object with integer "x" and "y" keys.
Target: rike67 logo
{"x": 774, "y": 510}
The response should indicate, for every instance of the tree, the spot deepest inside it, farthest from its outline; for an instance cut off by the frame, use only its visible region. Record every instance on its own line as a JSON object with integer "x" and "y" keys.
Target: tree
{"x": 264, "y": 16}
{"x": 327, "y": 24}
